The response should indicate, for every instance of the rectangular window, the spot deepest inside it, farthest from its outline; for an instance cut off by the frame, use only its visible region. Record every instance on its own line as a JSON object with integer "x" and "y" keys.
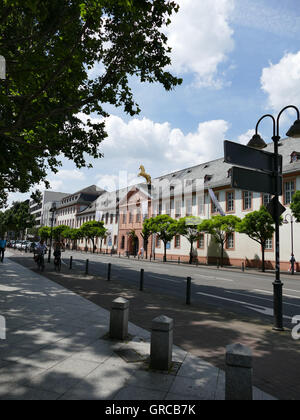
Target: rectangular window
{"x": 200, "y": 242}
{"x": 115, "y": 240}
{"x": 269, "y": 245}
{"x": 138, "y": 216}
{"x": 177, "y": 241}
{"x": 167, "y": 209}
{"x": 130, "y": 217}
{"x": 230, "y": 241}
{"x": 124, "y": 218}
{"x": 178, "y": 209}
{"x": 289, "y": 191}
{"x": 111, "y": 219}
{"x": 200, "y": 206}
{"x": 230, "y": 201}
{"x": 266, "y": 198}
{"x": 189, "y": 207}
{"x": 247, "y": 200}
{"x": 157, "y": 242}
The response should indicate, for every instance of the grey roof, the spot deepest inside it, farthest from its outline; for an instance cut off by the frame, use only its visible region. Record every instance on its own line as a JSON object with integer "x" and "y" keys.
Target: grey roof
{"x": 90, "y": 209}
{"x": 85, "y": 196}
{"x": 216, "y": 169}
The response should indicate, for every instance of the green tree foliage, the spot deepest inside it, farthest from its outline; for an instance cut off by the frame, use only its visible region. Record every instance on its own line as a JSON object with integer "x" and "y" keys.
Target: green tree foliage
{"x": 188, "y": 227}
{"x": 92, "y": 230}
{"x": 66, "y": 57}
{"x": 259, "y": 226}
{"x": 295, "y": 205}
{"x": 134, "y": 239}
{"x": 166, "y": 228}
{"x": 2, "y": 224}
{"x": 220, "y": 227}
{"x": 58, "y": 231}
{"x": 44, "y": 232}
{"x": 17, "y": 218}
{"x": 146, "y": 233}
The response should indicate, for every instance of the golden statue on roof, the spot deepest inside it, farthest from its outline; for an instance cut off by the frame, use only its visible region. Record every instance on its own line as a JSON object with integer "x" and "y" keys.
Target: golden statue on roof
{"x": 143, "y": 174}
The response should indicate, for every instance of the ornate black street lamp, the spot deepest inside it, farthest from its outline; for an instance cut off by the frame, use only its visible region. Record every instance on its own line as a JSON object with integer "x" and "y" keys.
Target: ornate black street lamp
{"x": 259, "y": 143}
{"x": 52, "y": 211}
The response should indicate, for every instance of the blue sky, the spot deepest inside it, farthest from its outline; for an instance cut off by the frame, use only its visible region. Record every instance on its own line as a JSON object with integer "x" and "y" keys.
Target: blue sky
{"x": 239, "y": 60}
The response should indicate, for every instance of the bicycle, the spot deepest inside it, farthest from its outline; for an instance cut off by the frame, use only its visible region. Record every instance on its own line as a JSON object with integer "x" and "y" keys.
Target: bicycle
{"x": 40, "y": 262}
{"x": 57, "y": 264}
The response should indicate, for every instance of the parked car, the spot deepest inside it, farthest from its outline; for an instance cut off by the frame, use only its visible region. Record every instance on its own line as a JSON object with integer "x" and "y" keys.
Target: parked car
{"x": 18, "y": 245}
{"x": 25, "y": 245}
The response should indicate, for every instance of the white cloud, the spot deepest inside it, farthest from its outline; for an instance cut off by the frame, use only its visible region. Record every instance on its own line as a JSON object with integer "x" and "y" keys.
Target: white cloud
{"x": 246, "y": 137}
{"x": 201, "y": 38}
{"x": 281, "y": 82}
{"x": 159, "y": 145}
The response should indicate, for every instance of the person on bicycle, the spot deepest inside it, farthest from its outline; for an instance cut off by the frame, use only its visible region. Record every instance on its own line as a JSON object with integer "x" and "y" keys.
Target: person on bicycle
{"x": 57, "y": 253}
{"x": 40, "y": 251}
{"x": 41, "y": 248}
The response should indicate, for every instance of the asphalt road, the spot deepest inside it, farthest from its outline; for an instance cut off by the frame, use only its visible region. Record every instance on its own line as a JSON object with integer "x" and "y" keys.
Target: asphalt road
{"x": 248, "y": 293}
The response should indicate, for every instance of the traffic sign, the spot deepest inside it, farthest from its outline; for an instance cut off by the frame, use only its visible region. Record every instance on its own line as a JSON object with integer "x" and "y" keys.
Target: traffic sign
{"x": 249, "y": 157}
{"x": 248, "y": 180}
{"x": 271, "y": 209}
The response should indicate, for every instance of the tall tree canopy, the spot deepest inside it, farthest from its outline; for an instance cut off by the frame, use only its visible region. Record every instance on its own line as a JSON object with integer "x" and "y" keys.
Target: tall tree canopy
{"x": 17, "y": 219}
{"x": 50, "y": 46}
{"x": 219, "y": 227}
{"x": 188, "y": 227}
{"x": 295, "y": 205}
{"x": 259, "y": 226}
{"x": 165, "y": 228}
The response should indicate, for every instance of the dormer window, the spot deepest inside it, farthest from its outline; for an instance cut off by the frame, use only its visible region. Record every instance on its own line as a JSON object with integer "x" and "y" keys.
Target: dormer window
{"x": 295, "y": 157}
{"x": 207, "y": 178}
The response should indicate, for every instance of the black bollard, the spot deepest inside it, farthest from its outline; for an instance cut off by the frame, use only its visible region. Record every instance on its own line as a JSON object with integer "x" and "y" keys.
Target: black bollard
{"x": 188, "y": 290}
{"x": 87, "y": 267}
{"x": 109, "y": 272}
{"x": 243, "y": 267}
{"x": 178, "y": 260}
{"x": 142, "y": 280}
{"x": 71, "y": 263}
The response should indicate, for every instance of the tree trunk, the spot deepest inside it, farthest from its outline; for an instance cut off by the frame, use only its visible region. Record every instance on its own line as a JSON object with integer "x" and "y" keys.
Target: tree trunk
{"x": 263, "y": 258}
{"x": 191, "y": 254}
{"x": 222, "y": 253}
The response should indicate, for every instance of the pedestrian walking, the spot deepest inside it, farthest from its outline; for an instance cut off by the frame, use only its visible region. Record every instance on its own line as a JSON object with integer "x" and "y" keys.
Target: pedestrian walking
{"x": 292, "y": 264}
{"x": 2, "y": 248}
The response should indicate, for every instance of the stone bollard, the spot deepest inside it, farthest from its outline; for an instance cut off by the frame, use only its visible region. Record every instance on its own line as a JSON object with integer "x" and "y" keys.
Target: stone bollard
{"x": 119, "y": 319}
{"x": 238, "y": 373}
{"x": 161, "y": 343}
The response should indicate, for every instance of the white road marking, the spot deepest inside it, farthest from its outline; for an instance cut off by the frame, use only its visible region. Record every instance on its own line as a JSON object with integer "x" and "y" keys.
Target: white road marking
{"x": 213, "y": 277}
{"x": 163, "y": 278}
{"x": 252, "y": 306}
{"x": 260, "y": 298}
{"x": 271, "y": 293}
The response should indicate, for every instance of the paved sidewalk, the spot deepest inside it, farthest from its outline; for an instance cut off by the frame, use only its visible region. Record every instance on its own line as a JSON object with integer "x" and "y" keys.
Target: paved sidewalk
{"x": 56, "y": 349}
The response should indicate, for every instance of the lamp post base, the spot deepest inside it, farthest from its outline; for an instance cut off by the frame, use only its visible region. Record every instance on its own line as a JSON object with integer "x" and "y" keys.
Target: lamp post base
{"x": 278, "y": 313}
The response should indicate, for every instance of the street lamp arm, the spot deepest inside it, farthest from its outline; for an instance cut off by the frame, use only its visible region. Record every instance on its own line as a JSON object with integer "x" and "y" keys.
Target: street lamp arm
{"x": 281, "y": 112}
{"x": 262, "y": 118}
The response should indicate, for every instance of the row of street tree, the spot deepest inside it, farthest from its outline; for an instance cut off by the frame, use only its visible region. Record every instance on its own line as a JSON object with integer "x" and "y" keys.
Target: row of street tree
{"x": 258, "y": 225}
{"x": 90, "y": 231}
